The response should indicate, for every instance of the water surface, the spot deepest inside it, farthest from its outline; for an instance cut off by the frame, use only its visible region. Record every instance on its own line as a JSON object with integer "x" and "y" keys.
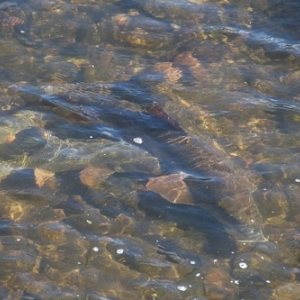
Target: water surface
{"x": 149, "y": 149}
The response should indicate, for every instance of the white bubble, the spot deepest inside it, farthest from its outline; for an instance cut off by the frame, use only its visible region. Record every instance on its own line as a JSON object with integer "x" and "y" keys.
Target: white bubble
{"x": 198, "y": 275}
{"x": 297, "y": 180}
{"x": 182, "y": 288}
{"x": 192, "y": 262}
{"x": 89, "y": 222}
{"x": 96, "y": 249}
{"x": 138, "y": 140}
{"x": 243, "y": 265}
{"x": 120, "y": 251}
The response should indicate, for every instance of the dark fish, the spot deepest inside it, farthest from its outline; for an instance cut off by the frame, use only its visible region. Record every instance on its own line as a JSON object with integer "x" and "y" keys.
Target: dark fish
{"x": 218, "y": 241}
{"x": 211, "y": 177}
{"x": 107, "y": 111}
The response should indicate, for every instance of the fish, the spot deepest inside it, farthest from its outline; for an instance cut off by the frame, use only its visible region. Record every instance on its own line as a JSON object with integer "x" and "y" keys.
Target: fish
{"x": 209, "y": 174}
{"x": 218, "y": 241}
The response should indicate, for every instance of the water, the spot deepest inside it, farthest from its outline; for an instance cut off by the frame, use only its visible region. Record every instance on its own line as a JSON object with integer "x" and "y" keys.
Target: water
{"x": 149, "y": 149}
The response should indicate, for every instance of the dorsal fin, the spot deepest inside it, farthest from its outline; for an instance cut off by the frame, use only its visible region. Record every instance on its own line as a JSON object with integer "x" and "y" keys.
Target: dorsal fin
{"x": 157, "y": 111}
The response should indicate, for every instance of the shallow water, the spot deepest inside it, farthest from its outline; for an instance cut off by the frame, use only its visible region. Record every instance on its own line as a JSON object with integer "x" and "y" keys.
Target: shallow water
{"x": 149, "y": 149}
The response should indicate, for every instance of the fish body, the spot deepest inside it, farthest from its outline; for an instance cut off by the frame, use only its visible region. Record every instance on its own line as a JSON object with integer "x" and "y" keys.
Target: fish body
{"x": 218, "y": 241}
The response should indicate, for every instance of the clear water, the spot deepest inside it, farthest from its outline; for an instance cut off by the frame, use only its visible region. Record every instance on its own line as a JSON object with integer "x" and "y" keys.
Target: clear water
{"x": 149, "y": 149}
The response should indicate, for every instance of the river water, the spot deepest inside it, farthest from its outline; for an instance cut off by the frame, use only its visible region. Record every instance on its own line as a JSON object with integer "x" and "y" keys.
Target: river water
{"x": 150, "y": 149}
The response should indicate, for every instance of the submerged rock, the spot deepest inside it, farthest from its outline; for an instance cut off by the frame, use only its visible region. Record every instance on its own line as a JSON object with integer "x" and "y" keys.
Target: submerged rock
{"x": 56, "y": 155}
{"x": 171, "y": 187}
